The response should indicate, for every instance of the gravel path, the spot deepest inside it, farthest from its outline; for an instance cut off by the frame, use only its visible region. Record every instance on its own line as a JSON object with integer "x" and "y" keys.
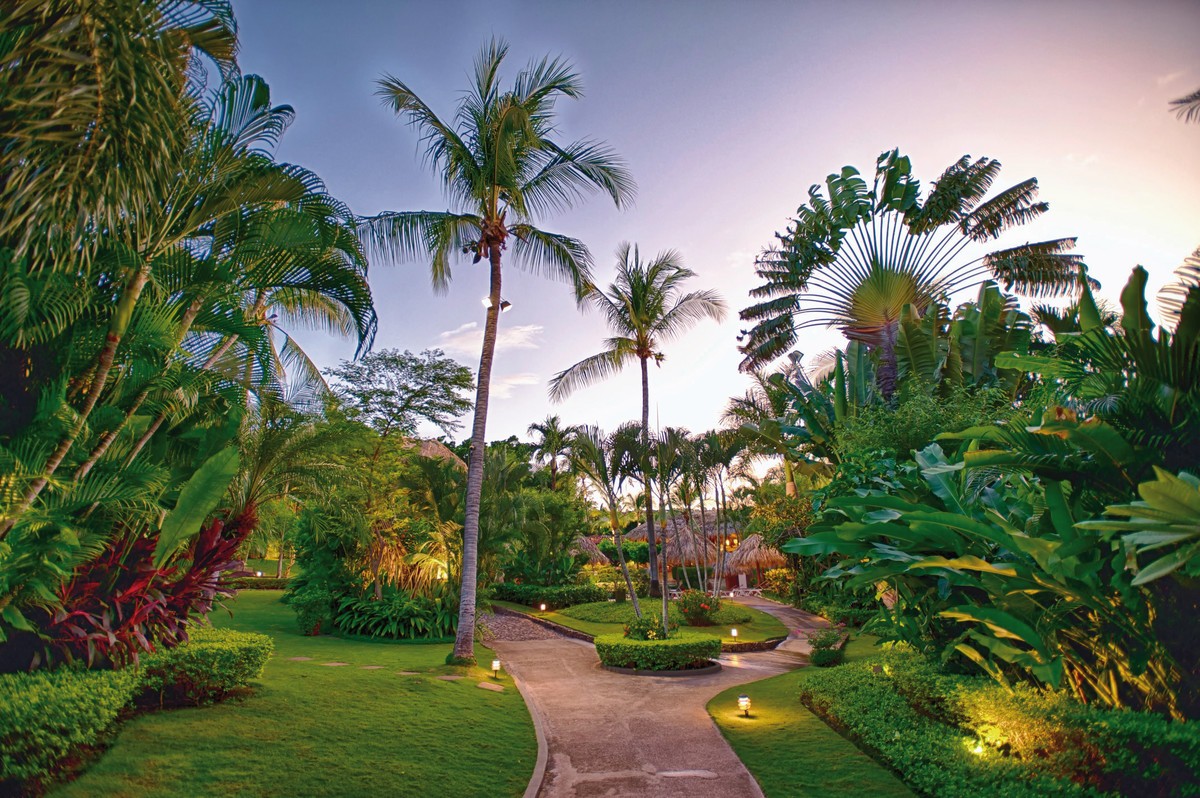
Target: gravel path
{"x": 511, "y": 627}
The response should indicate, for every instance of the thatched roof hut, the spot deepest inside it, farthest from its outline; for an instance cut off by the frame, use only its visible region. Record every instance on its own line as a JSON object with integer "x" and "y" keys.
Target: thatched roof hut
{"x": 436, "y": 450}
{"x": 586, "y": 546}
{"x": 678, "y": 525}
{"x": 754, "y": 555}
{"x": 688, "y": 549}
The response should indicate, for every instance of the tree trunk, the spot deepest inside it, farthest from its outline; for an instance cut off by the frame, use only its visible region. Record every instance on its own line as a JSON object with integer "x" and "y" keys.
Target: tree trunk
{"x": 619, "y": 540}
{"x": 665, "y": 577}
{"x": 704, "y": 539}
{"x": 655, "y": 588}
{"x": 464, "y": 642}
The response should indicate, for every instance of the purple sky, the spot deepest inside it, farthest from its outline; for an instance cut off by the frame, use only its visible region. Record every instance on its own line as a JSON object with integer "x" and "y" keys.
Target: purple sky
{"x": 726, "y": 113}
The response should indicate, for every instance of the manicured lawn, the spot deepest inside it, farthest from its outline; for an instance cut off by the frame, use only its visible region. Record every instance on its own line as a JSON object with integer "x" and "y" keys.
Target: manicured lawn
{"x": 791, "y": 751}
{"x": 310, "y": 730}
{"x": 606, "y": 617}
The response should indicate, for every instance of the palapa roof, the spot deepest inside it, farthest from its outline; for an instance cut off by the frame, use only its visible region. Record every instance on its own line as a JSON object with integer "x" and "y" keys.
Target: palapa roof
{"x": 583, "y": 545}
{"x": 753, "y": 555}
{"x": 436, "y": 450}
{"x": 678, "y": 525}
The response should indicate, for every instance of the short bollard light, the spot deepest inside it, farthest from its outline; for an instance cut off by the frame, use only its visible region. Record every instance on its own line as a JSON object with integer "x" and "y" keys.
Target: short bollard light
{"x": 258, "y": 573}
{"x": 744, "y": 704}
{"x": 733, "y": 634}
{"x": 495, "y": 669}
{"x": 543, "y": 607}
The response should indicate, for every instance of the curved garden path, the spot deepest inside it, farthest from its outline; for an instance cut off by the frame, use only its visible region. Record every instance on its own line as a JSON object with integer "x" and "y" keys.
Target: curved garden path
{"x": 606, "y": 734}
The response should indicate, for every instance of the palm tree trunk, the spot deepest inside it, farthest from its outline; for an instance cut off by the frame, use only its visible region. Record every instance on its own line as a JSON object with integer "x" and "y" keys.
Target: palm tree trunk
{"x": 704, "y": 540}
{"x": 655, "y": 588}
{"x": 619, "y": 541}
{"x": 663, "y": 512}
{"x": 464, "y": 642}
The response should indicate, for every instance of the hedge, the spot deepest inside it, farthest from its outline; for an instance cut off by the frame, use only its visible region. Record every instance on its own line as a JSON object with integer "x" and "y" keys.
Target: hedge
{"x": 951, "y": 735}
{"x": 553, "y": 597}
{"x": 683, "y": 651}
{"x": 46, "y": 715}
{"x": 213, "y": 663}
{"x": 256, "y": 583}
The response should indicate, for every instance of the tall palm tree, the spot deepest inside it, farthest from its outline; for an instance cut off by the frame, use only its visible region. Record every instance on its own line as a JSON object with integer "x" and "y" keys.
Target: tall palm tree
{"x": 498, "y": 161}
{"x": 645, "y": 307}
{"x": 858, "y": 258}
{"x": 554, "y": 443}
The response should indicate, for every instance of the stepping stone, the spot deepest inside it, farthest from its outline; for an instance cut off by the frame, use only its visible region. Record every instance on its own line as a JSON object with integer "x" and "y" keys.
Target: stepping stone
{"x": 300, "y": 659}
{"x": 497, "y": 688}
{"x": 333, "y": 664}
{"x": 688, "y": 774}
{"x": 407, "y": 673}
{"x": 450, "y": 677}
{"x": 372, "y": 667}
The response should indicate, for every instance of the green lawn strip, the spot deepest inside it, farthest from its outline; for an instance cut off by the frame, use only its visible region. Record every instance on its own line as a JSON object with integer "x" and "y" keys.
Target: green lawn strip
{"x": 789, "y": 750}
{"x": 607, "y": 617}
{"x": 313, "y": 730}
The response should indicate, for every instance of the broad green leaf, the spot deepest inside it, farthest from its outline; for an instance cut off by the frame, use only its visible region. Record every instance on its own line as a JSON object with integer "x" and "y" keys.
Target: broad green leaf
{"x": 198, "y": 498}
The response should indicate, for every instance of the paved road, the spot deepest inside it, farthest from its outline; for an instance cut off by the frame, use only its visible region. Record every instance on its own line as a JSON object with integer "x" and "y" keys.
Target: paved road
{"x": 634, "y": 736}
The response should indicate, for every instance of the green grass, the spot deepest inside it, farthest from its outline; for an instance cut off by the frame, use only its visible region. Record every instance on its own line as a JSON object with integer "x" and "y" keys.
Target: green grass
{"x": 309, "y": 730}
{"x": 791, "y": 751}
{"x": 608, "y": 617}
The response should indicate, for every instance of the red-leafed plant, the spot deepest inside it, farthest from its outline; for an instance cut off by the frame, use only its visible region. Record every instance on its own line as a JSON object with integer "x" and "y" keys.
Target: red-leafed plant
{"x": 120, "y": 605}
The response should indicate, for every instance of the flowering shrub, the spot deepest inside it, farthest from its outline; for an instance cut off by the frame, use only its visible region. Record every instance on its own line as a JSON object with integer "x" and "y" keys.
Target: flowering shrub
{"x": 648, "y": 627}
{"x": 698, "y": 607}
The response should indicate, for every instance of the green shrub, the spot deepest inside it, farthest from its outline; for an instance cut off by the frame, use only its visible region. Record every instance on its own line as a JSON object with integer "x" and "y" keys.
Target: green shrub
{"x": 928, "y": 725}
{"x": 47, "y": 715}
{"x": 730, "y": 614}
{"x": 698, "y": 608}
{"x": 648, "y": 627}
{"x": 313, "y": 606}
{"x": 397, "y": 616}
{"x": 684, "y": 650}
{"x": 828, "y": 647}
{"x": 841, "y": 608}
{"x": 552, "y": 597}
{"x": 213, "y": 663}
{"x": 256, "y": 583}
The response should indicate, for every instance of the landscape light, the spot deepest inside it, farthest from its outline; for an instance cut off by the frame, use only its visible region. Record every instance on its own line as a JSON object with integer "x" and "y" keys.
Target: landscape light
{"x": 744, "y": 704}
{"x": 543, "y": 607}
{"x": 978, "y": 749}
{"x": 505, "y": 305}
{"x": 733, "y": 634}
{"x": 496, "y": 669}
{"x": 258, "y": 573}
{"x": 487, "y": 301}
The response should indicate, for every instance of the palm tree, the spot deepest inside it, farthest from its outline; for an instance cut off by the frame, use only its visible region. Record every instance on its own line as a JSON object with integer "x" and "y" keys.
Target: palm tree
{"x": 498, "y": 161}
{"x": 554, "y": 443}
{"x": 602, "y": 459}
{"x": 857, "y": 259}
{"x": 644, "y": 307}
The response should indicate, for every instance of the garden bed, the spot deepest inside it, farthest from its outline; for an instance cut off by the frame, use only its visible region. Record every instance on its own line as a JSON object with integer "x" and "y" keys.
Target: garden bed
{"x": 685, "y": 650}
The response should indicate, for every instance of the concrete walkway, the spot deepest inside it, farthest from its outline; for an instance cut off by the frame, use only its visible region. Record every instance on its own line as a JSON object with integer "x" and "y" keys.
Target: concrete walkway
{"x": 608, "y": 734}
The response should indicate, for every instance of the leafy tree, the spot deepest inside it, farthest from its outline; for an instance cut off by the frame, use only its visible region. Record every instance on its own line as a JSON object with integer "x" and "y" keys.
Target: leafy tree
{"x": 499, "y": 162}
{"x": 394, "y": 391}
{"x": 856, "y": 259}
{"x": 645, "y": 307}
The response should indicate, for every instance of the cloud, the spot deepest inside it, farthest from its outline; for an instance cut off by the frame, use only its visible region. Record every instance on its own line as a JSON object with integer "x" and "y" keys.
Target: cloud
{"x": 1170, "y": 77}
{"x": 468, "y": 339}
{"x": 502, "y": 388}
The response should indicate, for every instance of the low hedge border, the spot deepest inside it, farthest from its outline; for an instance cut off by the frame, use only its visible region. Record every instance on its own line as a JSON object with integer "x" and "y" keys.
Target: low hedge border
{"x": 211, "y": 665}
{"x": 950, "y": 735}
{"x": 47, "y": 717}
{"x": 256, "y": 583}
{"x": 685, "y": 650}
{"x": 49, "y": 720}
{"x": 555, "y": 598}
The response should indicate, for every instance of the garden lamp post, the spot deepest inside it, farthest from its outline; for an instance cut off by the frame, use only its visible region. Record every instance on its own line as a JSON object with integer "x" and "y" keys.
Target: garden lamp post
{"x": 744, "y": 704}
{"x": 495, "y": 669}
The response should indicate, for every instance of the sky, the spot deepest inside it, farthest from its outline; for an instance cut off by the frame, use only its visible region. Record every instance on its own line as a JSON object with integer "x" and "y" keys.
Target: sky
{"x": 725, "y": 113}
